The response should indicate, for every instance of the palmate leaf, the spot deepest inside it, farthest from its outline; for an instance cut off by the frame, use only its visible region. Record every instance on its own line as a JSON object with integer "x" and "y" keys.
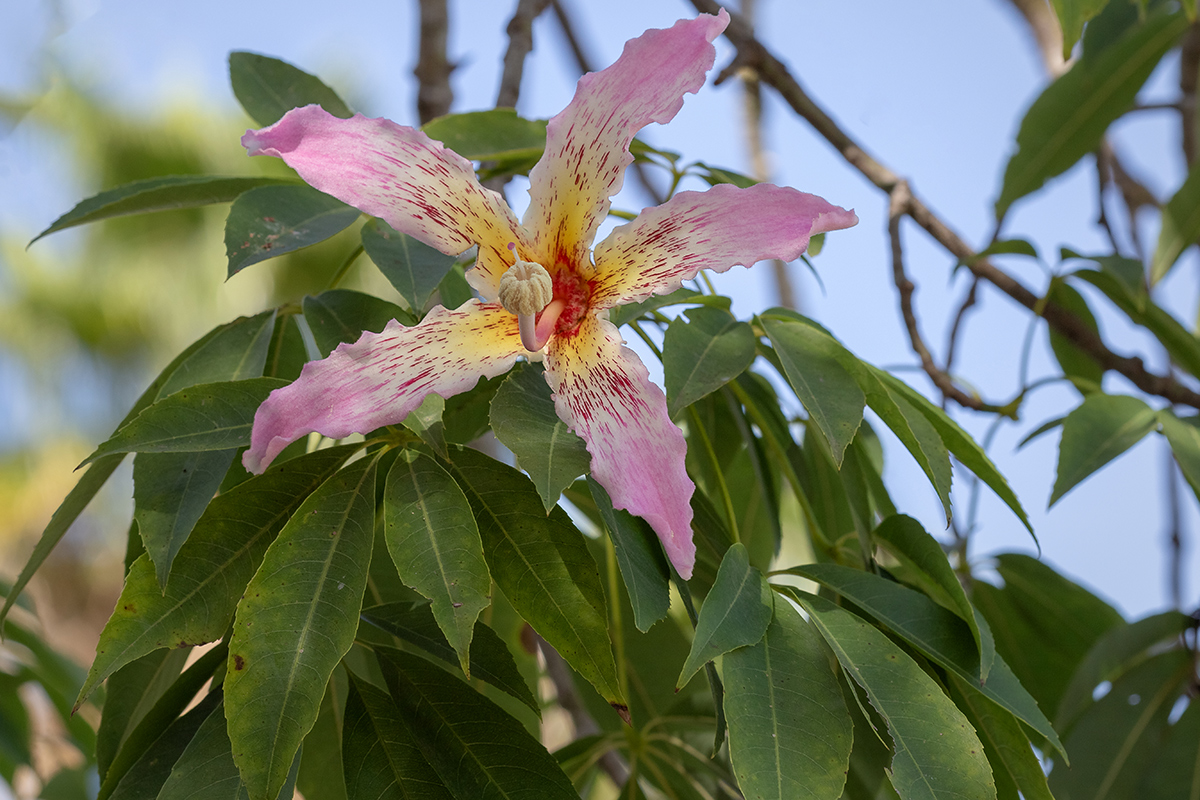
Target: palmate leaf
{"x": 789, "y": 731}
{"x": 340, "y": 316}
{"x": 937, "y": 754}
{"x": 268, "y": 88}
{"x": 296, "y": 620}
{"x": 212, "y": 568}
{"x": 736, "y": 612}
{"x": 414, "y": 268}
{"x": 434, "y": 542}
{"x": 542, "y": 565}
{"x": 382, "y": 759}
{"x": 157, "y": 194}
{"x": 937, "y": 633}
{"x": 212, "y": 416}
{"x": 640, "y": 558}
{"x": 1067, "y": 121}
{"x": 702, "y": 353}
{"x": 476, "y": 749}
{"x": 494, "y": 135}
{"x": 1099, "y": 430}
{"x": 272, "y": 220}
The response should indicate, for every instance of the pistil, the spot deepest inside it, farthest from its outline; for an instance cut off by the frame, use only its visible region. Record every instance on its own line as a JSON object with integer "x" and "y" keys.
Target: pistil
{"x": 525, "y": 290}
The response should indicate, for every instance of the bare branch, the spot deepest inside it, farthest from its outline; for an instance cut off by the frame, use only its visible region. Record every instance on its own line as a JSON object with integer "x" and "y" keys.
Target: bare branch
{"x": 952, "y": 339}
{"x": 434, "y": 95}
{"x": 772, "y": 72}
{"x": 520, "y": 43}
{"x": 1189, "y": 73}
{"x": 1043, "y": 24}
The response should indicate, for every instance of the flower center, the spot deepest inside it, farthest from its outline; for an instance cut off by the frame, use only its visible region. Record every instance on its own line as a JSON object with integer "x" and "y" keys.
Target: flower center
{"x": 526, "y": 288}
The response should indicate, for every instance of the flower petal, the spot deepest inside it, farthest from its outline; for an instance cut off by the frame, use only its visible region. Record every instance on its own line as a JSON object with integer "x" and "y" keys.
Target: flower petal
{"x": 587, "y": 143}
{"x": 399, "y": 174}
{"x": 603, "y": 391}
{"x": 669, "y": 244}
{"x": 383, "y": 376}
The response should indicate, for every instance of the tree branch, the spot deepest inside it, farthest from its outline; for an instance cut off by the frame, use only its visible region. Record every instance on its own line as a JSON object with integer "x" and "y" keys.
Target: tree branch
{"x": 751, "y": 52}
{"x": 434, "y": 95}
{"x": 520, "y": 43}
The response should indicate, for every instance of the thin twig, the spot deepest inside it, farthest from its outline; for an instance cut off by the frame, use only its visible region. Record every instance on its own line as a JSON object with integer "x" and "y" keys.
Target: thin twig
{"x": 772, "y": 72}
{"x": 434, "y": 95}
{"x": 584, "y": 64}
{"x": 520, "y": 43}
{"x": 1174, "y": 532}
{"x": 956, "y": 327}
{"x": 1046, "y": 32}
{"x": 1189, "y": 74}
{"x": 906, "y": 288}
{"x": 1103, "y": 169}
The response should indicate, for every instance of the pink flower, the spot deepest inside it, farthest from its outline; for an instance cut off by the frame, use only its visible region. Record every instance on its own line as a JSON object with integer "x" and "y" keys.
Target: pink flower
{"x": 601, "y": 388}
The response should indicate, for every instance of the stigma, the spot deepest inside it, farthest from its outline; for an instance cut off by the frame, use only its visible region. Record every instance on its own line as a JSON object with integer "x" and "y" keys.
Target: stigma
{"x": 526, "y": 290}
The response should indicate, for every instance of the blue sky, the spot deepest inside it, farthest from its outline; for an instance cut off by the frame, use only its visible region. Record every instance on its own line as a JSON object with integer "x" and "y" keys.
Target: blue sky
{"x": 935, "y": 94}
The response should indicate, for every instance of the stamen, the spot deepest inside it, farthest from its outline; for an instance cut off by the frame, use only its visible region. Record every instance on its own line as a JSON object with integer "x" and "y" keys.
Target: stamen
{"x": 525, "y": 289}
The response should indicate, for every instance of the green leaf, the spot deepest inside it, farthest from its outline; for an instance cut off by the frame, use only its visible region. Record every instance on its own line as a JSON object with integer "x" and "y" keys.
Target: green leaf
{"x": 268, "y": 88}
{"x": 131, "y": 692}
{"x": 320, "y": 773}
{"x": 205, "y": 770}
{"x": 1180, "y": 226}
{"x": 717, "y": 175}
{"x": 1084, "y": 372}
{"x": 454, "y": 290}
{"x": 1014, "y": 764}
{"x": 936, "y": 632}
{"x": 1115, "y": 653}
{"x": 212, "y": 568}
{"x": 272, "y": 220}
{"x": 640, "y": 557}
{"x": 542, "y": 565}
{"x": 789, "y": 731}
{"x": 631, "y": 311}
{"x": 1067, "y": 121}
{"x": 815, "y": 364}
{"x": 339, "y": 316}
{"x": 494, "y": 135}
{"x": 1099, "y": 430}
{"x": 1043, "y": 623}
{"x": 414, "y": 268}
{"x": 912, "y": 544}
{"x": 524, "y": 420}
{"x": 491, "y": 660}
{"x": 703, "y": 353}
{"x": 1173, "y": 775}
{"x": 937, "y": 754}
{"x": 1116, "y": 739}
{"x": 1072, "y": 16}
{"x": 434, "y": 542}
{"x": 296, "y": 620}
{"x": 382, "y": 759}
{"x": 736, "y": 612}
{"x": 237, "y": 352}
{"x": 202, "y": 357}
{"x": 959, "y": 442}
{"x": 475, "y": 747}
{"x": 212, "y": 416}
{"x": 148, "y": 774}
{"x": 157, "y": 194}
{"x": 1019, "y": 247}
{"x": 915, "y": 429}
{"x": 1184, "y": 437}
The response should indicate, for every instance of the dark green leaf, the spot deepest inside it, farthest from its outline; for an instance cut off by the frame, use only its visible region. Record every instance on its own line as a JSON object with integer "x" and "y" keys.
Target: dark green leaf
{"x": 148, "y": 774}
{"x": 339, "y": 316}
{"x": 211, "y": 416}
{"x": 937, "y": 754}
{"x": 272, "y": 220}
{"x": 205, "y": 770}
{"x": 1067, "y": 121}
{"x": 1173, "y": 774}
{"x": 296, "y": 620}
{"x": 212, "y": 568}
{"x": 631, "y": 311}
{"x": 1184, "y": 437}
{"x": 1004, "y": 247}
{"x": 454, "y": 290}
{"x": 736, "y": 612}
{"x": 14, "y": 727}
{"x": 640, "y": 558}
{"x": 789, "y": 731}
{"x": 268, "y": 88}
{"x": 130, "y": 694}
{"x": 497, "y": 134}
{"x": 524, "y": 420}
{"x": 1084, "y": 372}
{"x": 542, "y": 565}
{"x": 414, "y": 268}
{"x": 1014, "y": 764}
{"x": 157, "y": 194}
{"x": 383, "y": 760}
{"x": 703, "y": 353}
{"x": 718, "y": 175}
{"x": 936, "y": 632}
{"x": 1116, "y": 739}
{"x": 1180, "y": 226}
{"x": 475, "y": 747}
{"x": 1072, "y": 15}
{"x": 1099, "y": 430}
{"x": 491, "y": 660}
{"x": 237, "y": 352}
{"x": 434, "y": 542}
{"x": 816, "y": 366}
{"x": 320, "y": 773}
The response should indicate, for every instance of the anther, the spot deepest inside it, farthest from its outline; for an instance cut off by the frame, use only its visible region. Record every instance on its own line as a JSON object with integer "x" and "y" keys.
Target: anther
{"x": 525, "y": 289}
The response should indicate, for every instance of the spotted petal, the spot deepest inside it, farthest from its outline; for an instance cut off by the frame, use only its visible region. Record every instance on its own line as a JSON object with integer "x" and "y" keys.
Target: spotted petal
{"x": 587, "y": 143}
{"x": 383, "y": 376}
{"x": 603, "y": 391}
{"x": 402, "y": 176}
{"x": 669, "y": 244}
